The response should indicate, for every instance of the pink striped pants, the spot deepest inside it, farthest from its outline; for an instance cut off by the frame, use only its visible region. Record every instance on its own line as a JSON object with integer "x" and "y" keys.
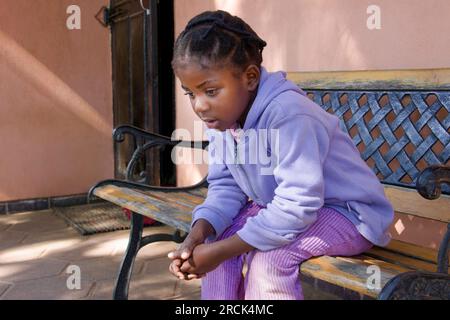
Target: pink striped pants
{"x": 273, "y": 274}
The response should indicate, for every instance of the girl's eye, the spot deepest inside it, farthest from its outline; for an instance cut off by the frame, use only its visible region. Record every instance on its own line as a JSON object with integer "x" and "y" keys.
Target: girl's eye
{"x": 211, "y": 92}
{"x": 190, "y": 94}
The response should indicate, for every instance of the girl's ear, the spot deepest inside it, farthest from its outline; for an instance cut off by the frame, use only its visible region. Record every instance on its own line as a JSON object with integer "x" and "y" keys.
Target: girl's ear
{"x": 252, "y": 75}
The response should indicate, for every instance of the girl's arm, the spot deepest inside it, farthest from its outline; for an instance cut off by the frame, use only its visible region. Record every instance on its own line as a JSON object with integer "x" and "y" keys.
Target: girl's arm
{"x": 201, "y": 230}
{"x": 224, "y": 198}
{"x": 231, "y": 247}
{"x": 206, "y": 257}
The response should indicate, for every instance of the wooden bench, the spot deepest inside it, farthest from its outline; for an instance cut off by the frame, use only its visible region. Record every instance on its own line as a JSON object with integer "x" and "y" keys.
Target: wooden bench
{"x": 402, "y": 135}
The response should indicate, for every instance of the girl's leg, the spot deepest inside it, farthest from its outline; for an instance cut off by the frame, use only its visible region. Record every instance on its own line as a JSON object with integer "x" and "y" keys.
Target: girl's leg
{"x": 274, "y": 274}
{"x": 226, "y": 281}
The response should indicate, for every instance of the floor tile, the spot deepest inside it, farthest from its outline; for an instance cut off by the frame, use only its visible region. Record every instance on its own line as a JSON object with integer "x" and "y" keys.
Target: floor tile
{"x": 12, "y": 237}
{"x": 53, "y": 288}
{"x": 31, "y": 269}
{"x": 36, "y": 221}
{"x": 3, "y": 287}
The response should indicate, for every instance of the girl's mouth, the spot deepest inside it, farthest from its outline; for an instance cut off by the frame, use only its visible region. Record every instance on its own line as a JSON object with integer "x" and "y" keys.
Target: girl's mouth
{"x": 212, "y": 124}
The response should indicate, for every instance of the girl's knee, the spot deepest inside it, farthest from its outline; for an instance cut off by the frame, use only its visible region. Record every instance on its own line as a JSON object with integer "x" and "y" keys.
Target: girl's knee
{"x": 355, "y": 246}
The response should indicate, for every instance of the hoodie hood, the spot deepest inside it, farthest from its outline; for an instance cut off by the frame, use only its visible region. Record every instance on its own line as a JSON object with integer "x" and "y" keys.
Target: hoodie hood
{"x": 271, "y": 84}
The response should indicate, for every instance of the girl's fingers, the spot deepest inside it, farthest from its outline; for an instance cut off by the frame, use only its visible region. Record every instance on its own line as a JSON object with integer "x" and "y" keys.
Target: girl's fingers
{"x": 174, "y": 267}
{"x": 180, "y": 269}
{"x": 192, "y": 276}
{"x": 186, "y": 266}
{"x": 184, "y": 252}
{"x": 176, "y": 264}
{"x": 175, "y": 270}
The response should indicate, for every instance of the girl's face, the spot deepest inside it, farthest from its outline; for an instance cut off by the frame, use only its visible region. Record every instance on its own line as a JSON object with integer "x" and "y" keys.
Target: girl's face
{"x": 219, "y": 96}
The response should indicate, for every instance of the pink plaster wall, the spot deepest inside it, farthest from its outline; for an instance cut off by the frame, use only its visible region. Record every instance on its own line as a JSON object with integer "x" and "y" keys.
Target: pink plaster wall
{"x": 55, "y": 99}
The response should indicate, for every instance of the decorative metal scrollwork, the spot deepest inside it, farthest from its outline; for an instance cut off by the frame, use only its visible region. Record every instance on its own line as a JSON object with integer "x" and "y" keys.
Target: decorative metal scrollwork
{"x": 398, "y": 133}
{"x": 417, "y": 286}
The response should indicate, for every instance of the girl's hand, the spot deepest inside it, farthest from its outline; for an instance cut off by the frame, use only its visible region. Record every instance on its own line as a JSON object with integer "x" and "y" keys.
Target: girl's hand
{"x": 204, "y": 258}
{"x": 200, "y": 231}
{"x": 174, "y": 268}
{"x": 207, "y": 257}
{"x": 184, "y": 251}
{"x": 178, "y": 257}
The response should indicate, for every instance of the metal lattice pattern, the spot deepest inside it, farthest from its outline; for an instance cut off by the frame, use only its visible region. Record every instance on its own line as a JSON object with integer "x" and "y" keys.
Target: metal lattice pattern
{"x": 397, "y": 133}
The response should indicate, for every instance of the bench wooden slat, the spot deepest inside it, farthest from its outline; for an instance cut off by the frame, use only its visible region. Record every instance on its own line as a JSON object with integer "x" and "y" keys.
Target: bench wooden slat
{"x": 402, "y": 260}
{"x": 410, "y": 79}
{"x": 350, "y": 272}
{"x": 181, "y": 197}
{"x": 201, "y": 192}
{"x": 171, "y": 214}
{"x": 413, "y": 250}
{"x": 409, "y": 201}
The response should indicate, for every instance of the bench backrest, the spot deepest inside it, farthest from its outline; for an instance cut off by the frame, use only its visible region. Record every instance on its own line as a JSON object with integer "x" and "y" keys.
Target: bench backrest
{"x": 399, "y": 134}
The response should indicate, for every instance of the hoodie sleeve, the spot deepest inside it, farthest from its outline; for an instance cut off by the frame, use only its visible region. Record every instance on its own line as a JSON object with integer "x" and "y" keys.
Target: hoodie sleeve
{"x": 298, "y": 172}
{"x": 224, "y": 198}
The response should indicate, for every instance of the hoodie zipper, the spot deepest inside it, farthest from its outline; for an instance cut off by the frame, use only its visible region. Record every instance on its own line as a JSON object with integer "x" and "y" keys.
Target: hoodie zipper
{"x": 240, "y": 170}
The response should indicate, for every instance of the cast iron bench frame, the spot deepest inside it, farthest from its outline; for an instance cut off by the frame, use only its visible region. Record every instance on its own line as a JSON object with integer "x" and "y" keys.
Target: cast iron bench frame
{"x": 428, "y": 182}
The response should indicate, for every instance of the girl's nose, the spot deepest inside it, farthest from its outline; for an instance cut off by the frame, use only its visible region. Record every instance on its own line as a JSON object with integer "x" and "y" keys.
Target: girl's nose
{"x": 201, "y": 106}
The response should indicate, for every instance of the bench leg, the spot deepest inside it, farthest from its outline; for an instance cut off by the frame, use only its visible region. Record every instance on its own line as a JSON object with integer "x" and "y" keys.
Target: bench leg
{"x": 134, "y": 244}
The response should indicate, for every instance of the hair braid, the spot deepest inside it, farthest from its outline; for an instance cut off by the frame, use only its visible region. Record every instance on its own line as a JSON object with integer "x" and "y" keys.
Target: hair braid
{"x": 214, "y": 37}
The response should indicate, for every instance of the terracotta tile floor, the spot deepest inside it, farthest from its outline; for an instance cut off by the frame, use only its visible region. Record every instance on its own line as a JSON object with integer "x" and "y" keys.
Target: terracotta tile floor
{"x": 38, "y": 250}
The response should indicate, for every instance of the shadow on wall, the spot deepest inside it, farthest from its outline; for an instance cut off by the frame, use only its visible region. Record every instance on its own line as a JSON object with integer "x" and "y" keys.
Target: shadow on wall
{"x": 45, "y": 120}
{"x": 28, "y": 69}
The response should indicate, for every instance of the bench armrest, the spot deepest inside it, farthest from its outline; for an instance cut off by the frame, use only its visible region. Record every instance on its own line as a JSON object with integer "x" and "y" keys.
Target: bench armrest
{"x": 430, "y": 180}
{"x": 145, "y": 140}
{"x": 140, "y": 134}
{"x": 428, "y": 185}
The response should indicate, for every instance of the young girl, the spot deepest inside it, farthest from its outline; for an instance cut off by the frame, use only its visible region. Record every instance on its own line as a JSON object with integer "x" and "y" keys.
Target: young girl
{"x": 319, "y": 198}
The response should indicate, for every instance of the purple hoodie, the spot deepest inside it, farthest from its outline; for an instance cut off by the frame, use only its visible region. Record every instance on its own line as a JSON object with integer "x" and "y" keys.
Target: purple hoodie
{"x": 313, "y": 163}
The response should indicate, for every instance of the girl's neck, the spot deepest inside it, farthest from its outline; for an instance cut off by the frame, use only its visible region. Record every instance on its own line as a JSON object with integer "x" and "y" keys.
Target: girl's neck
{"x": 243, "y": 117}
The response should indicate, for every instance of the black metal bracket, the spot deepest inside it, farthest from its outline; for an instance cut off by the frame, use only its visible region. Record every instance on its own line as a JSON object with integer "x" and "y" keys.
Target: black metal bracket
{"x": 428, "y": 185}
{"x": 425, "y": 285}
{"x": 106, "y": 15}
{"x": 429, "y": 181}
{"x": 416, "y": 285}
{"x": 145, "y": 140}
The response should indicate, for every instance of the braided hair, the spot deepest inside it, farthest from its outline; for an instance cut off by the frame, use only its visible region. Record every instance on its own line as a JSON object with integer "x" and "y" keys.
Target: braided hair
{"x": 217, "y": 38}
